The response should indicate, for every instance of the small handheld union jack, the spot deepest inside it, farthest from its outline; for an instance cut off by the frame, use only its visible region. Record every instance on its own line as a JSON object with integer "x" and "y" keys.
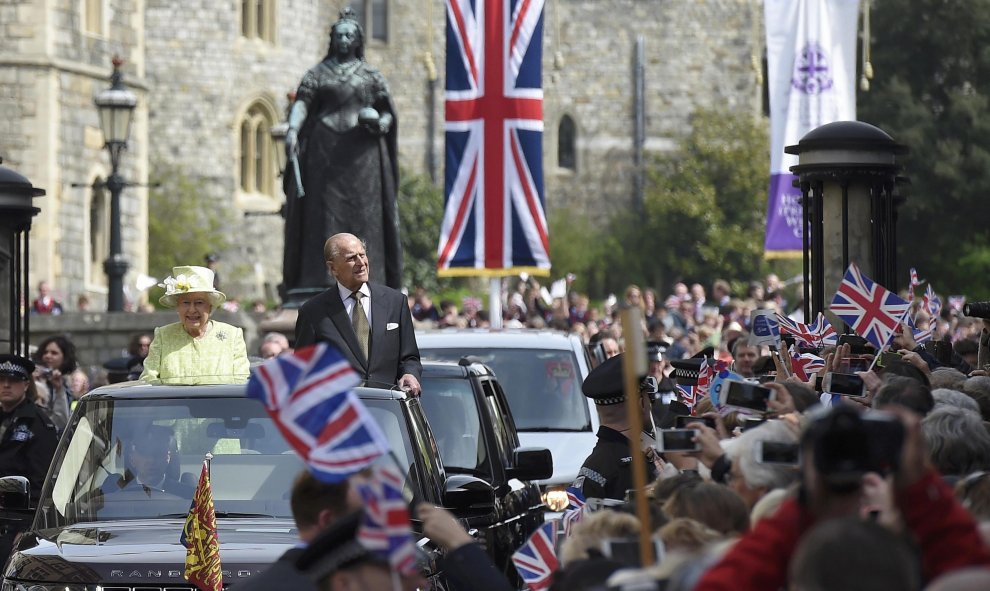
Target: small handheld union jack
{"x": 817, "y": 334}
{"x": 386, "y": 529}
{"x": 576, "y": 508}
{"x": 308, "y": 394}
{"x": 871, "y": 310}
{"x": 536, "y": 560}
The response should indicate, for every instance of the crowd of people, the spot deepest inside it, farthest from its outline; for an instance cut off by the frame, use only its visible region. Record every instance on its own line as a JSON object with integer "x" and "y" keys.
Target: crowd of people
{"x": 892, "y": 482}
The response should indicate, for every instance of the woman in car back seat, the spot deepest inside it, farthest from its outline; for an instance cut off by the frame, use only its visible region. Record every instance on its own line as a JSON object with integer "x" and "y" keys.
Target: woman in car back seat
{"x": 195, "y": 350}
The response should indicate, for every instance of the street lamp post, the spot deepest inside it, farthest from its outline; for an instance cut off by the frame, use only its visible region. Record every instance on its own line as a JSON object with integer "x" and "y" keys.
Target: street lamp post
{"x": 116, "y": 105}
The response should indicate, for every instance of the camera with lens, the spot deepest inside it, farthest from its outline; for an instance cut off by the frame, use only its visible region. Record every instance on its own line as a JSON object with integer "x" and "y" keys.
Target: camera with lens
{"x": 45, "y": 372}
{"x": 977, "y": 310}
{"x": 846, "y": 444}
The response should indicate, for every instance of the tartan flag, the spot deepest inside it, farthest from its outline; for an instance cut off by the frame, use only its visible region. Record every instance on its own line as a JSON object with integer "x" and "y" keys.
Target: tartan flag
{"x": 494, "y": 215}
{"x": 536, "y": 560}
{"x": 199, "y": 536}
{"x": 870, "y": 309}
{"x": 385, "y": 528}
{"x": 576, "y": 508}
{"x": 817, "y": 334}
{"x": 308, "y": 394}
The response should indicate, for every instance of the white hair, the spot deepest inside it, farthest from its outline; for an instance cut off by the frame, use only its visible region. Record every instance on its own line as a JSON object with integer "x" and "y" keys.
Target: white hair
{"x": 756, "y": 474}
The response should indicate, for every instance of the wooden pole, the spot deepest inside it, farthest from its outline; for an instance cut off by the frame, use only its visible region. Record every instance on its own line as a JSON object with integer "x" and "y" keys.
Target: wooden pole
{"x": 634, "y": 366}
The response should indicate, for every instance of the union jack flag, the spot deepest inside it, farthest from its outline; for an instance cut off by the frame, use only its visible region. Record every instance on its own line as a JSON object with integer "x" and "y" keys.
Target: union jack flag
{"x": 536, "y": 560}
{"x": 705, "y": 374}
{"x": 870, "y": 309}
{"x": 915, "y": 282}
{"x": 385, "y": 528}
{"x": 576, "y": 508}
{"x": 817, "y": 334}
{"x": 957, "y": 302}
{"x": 931, "y": 302}
{"x": 308, "y": 393}
{"x": 688, "y": 395}
{"x": 805, "y": 365}
{"x": 494, "y": 217}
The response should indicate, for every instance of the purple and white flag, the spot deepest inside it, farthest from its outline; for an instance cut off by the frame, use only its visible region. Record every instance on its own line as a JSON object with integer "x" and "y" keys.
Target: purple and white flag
{"x": 811, "y": 71}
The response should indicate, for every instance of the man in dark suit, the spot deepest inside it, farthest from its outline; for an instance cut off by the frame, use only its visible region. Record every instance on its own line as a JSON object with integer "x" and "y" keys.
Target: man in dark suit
{"x": 315, "y": 506}
{"x": 368, "y": 322}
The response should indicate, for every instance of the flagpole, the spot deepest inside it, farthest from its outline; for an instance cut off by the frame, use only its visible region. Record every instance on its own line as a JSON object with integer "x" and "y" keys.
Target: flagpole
{"x": 495, "y": 302}
{"x": 208, "y": 459}
{"x": 633, "y": 366}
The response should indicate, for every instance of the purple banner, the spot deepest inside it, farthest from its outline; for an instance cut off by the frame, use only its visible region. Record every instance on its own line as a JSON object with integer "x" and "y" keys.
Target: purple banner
{"x": 784, "y": 215}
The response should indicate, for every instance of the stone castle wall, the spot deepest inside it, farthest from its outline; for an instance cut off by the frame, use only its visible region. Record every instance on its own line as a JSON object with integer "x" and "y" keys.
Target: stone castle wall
{"x": 195, "y": 75}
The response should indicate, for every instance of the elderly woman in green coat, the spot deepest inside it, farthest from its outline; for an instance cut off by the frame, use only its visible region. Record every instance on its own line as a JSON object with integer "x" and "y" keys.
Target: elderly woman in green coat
{"x": 196, "y": 349}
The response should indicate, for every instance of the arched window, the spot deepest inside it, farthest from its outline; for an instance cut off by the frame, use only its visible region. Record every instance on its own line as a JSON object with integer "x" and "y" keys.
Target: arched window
{"x": 566, "y": 140}
{"x": 99, "y": 232}
{"x": 257, "y": 167}
{"x": 373, "y": 17}
{"x": 258, "y": 19}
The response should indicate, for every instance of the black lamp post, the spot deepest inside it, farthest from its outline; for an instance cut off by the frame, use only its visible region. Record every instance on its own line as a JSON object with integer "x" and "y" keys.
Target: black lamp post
{"x": 847, "y": 171}
{"x": 116, "y": 105}
{"x": 16, "y": 211}
{"x": 278, "y": 133}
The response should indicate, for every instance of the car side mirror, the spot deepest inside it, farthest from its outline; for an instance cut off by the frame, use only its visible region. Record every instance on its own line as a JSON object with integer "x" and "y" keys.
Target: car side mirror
{"x": 531, "y": 463}
{"x": 467, "y": 493}
{"x": 15, "y": 492}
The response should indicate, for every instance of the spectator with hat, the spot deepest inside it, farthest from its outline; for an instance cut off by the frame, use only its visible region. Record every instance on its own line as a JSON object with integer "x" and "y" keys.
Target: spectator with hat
{"x": 197, "y": 349}
{"x": 27, "y": 434}
{"x": 607, "y": 473}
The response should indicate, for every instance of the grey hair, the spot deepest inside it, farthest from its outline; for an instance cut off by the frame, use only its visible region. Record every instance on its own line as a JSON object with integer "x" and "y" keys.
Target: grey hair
{"x": 954, "y": 398}
{"x": 947, "y": 377}
{"x": 958, "y": 442}
{"x": 331, "y": 249}
{"x": 757, "y": 475}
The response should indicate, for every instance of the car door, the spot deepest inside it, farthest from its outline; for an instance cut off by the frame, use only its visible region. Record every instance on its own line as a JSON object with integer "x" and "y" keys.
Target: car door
{"x": 519, "y": 508}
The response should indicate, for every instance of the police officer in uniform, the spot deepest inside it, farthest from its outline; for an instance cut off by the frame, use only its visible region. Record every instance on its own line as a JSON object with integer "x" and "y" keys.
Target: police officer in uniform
{"x": 27, "y": 434}
{"x": 607, "y": 473}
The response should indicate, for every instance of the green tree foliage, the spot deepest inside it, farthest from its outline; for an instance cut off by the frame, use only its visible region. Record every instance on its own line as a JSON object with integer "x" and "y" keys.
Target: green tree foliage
{"x": 420, "y": 215}
{"x": 703, "y": 217}
{"x": 932, "y": 92}
{"x": 181, "y": 228}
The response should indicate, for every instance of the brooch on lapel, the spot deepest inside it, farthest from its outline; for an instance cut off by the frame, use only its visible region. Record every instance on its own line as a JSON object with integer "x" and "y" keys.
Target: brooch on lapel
{"x": 222, "y": 335}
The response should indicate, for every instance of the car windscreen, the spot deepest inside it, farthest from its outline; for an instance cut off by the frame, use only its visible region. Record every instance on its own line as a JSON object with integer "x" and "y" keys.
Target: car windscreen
{"x": 452, "y": 411}
{"x": 141, "y": 459}
{"x": 543, "y": 386}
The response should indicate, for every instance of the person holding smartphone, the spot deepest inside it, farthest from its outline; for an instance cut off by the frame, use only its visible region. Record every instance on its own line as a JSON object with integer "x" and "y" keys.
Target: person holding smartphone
{"x": 607, "y": 472}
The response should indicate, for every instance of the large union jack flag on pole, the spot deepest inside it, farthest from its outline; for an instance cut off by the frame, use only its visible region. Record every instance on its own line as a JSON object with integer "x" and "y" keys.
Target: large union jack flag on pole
{"x": 870, "y": 309}
{"x": 494, "y": 217}
{"x": 308, "y": 394}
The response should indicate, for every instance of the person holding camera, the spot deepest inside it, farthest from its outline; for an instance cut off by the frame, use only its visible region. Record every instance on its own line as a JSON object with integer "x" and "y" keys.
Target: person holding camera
{"x": 56, "y": 360}
{"x": 842, "y": 450}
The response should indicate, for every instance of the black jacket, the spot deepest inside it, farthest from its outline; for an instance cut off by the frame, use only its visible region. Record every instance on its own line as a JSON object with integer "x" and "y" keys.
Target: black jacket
{"x": 392, "y": 348}
{"x": 607, "y": 473}
{"x": 27, "y": 445}
{"x": 469, "y": 568}
{"x": 282, "y": 574}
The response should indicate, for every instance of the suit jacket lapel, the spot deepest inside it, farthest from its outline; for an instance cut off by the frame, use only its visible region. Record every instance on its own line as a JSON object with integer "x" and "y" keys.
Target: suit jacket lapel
{"x": 338, "y": 314}
{"x": 379, "y": 315}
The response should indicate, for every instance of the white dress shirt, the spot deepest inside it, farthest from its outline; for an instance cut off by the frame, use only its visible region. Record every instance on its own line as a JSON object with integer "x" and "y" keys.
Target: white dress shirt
{"x": 348, "y": 301}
